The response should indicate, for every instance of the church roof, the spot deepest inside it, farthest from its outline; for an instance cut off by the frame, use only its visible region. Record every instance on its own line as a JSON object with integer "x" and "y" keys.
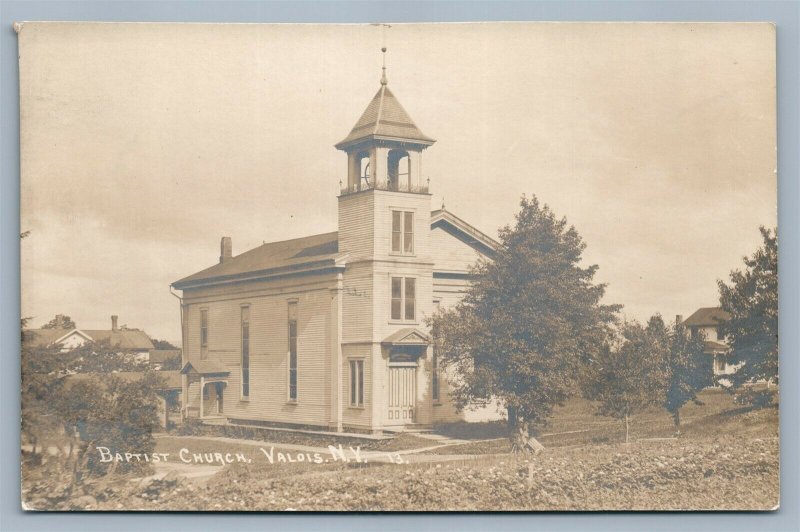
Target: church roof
{"x": 385, "y": 119}
{"x": 287, "y": 255}
{"x": 311, "y": 253}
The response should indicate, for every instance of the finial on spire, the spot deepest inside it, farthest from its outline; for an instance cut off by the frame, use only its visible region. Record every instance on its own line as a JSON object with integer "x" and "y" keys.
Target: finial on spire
{"x": 384, "y": 81}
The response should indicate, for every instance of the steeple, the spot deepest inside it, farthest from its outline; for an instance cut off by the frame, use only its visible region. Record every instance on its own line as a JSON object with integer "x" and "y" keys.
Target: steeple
{"x": 384, "y": 148}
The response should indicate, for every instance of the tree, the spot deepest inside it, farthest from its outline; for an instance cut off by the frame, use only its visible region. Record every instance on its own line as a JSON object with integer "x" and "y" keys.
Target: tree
{"x": 173, "y": 363}
{"x": 162, "y": 344}
{"x": 531, "y": 317}
{"x": 688, "y": 370}
{"x": 122, "y": 413}
{"x": 60, "y": 322}
{"x": 751, "y": 299}
{"x": 629, "y": 377}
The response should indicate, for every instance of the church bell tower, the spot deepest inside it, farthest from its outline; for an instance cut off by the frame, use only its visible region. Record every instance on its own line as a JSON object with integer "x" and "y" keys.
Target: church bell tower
{"x": 384, "y": 154}
{"x": 384, "y": 233}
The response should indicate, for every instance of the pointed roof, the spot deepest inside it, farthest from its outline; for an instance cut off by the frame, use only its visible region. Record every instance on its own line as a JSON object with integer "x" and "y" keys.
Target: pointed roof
{"x": 385, "y": 119}
{"x": 707, "y": 316}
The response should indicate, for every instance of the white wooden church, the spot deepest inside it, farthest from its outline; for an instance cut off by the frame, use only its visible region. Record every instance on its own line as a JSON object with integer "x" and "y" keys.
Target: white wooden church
{"x": 329, "y": 330}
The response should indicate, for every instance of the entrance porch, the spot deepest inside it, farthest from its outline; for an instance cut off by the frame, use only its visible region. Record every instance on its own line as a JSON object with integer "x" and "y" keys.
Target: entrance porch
{"x": 204, "y": 384}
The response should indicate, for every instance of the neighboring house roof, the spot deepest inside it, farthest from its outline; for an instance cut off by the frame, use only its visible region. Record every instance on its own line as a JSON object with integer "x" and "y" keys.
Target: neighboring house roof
{"x": 707, "y": 316}
{"x": 385, "y": 119}
{"x": 173, "y": 378}
{"x": 159, "y": 356}
{"x": 311, "y": 253}
{"x": 133, "y": 339}
{"x": 44, "y": 337}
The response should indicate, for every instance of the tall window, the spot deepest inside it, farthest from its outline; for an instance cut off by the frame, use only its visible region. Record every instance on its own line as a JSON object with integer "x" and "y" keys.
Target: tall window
{"x": 404, "y": 298}
{"x": 435, "y": 366}
{"x": 293, "y": 351}
{"x": 203, "y": 333}
{"x": 356, "y": 383}
{"x": 245, "y": 352}
{"x": 402, "y": 232}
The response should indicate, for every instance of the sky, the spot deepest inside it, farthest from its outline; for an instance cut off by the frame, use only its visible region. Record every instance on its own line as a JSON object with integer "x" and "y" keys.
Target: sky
{"x": 143, "y": 144}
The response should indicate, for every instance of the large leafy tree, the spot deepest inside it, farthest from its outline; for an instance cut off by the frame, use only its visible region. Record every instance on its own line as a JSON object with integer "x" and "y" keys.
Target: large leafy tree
{"x": 751, "y": 298}
{"x": 60, "y": 322}
{"x": 89, "y": 409}
{"x": 688, "y": 371}
{"x": 530, "y": 319}
{"x": 630, "y": 376}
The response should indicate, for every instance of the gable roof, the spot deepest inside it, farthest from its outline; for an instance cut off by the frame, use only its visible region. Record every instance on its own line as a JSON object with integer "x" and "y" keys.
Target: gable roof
{"x": 311, "y": 253}
{"x": 464, "y": 231}
{"x": 122, "y": 338}
{"x": 407, "y": 336}
{"x": 292, "y": 255}
{"x": 385, "y": 119}
{"x": 43, "y": 337}
{"x": 118, "y": 339}
{"x": 707, "y": 316}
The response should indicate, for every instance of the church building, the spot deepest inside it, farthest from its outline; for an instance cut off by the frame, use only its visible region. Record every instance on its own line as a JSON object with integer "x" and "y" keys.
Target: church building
{"x": 330, "y": 330}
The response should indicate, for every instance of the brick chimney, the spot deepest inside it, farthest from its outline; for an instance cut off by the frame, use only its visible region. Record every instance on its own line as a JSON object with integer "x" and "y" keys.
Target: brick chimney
{"x": 114, "y": 322}
{"x": 225, "y": 249}
{"x": 678, "y": 319}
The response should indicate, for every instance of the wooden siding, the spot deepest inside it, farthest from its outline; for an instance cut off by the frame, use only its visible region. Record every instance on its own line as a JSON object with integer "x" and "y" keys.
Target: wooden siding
{"x": 356, "y": 228}
{"x": 451, "y": 254}
{"x": 268, "y": 398}
{"x": 357, "y": 303}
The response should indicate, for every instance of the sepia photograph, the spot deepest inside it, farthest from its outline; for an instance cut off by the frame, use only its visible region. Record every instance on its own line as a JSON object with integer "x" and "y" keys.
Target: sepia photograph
{"x": 441, "y": 267}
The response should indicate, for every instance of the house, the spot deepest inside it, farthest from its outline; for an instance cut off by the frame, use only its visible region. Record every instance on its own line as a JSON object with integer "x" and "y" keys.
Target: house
{"x": 706, "y": 322}
{"x": 122, "y": 338}
{"x": 329, "y": 330}
{"x": 158, "y": 358}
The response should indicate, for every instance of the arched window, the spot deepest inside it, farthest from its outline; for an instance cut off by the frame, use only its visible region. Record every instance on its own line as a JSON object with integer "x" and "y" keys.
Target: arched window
{"x": 364, "y": 170}
{"x": 398, "y": 170}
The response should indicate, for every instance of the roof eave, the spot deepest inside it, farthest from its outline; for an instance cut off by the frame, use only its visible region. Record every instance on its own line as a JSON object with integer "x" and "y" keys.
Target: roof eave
{"x": 283, "y": 271}
{"x": 349, "y": 144}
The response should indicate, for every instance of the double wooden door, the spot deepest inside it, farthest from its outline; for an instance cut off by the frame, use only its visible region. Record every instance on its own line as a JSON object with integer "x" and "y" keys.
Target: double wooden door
{"x": 402, "y": 394}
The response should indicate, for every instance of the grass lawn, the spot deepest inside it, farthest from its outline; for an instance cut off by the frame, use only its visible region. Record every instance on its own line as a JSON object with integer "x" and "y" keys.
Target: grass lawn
{"x": 726, "y": 457}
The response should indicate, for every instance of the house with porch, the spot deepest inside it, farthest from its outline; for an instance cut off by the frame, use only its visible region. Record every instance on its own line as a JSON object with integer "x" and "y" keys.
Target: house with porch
{"x": 329, "y": 330}
{"x": 706, "y": 321}
{"x": 133, "y": 341}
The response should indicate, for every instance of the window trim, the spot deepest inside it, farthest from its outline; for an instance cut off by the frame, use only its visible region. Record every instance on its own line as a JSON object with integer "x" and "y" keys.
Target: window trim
{"x": 358, "y": 385}
{"x": 289, "y": 399}
{"x": 403, "y": 211}
{"x": 242, "y": 307}
{"x": 403, "y": 318}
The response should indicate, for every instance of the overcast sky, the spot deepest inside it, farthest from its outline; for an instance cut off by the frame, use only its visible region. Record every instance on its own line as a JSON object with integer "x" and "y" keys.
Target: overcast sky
{"x": 143, "y": 144}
